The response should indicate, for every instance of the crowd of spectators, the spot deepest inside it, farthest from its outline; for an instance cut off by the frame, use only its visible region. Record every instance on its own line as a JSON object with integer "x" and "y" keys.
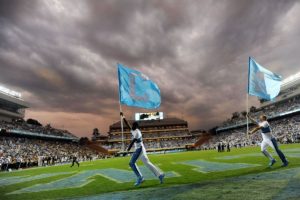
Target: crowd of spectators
{"x": 21, "y": 152}
{"x": 147, "y": 135}
{"x": 35, "y": 127}
{"x": 286, "y": 130}
{"x": 160, "y": 142}
{"x": 270, "y": 111}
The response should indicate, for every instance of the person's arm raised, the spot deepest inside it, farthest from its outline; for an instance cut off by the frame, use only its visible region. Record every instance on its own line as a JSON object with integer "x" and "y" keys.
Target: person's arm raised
{"x": 252, "y": 119}
{"x": 254, "y": 130}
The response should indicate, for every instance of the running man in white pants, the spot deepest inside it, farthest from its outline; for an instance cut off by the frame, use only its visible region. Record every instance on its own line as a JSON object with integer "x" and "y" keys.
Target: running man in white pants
{"x": 140, "y": 152}
{"x": 268, "y": 140}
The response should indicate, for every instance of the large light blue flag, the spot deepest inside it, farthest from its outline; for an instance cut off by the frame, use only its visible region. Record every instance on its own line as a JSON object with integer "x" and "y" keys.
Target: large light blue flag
{"x": 136, "y": 89}
{"x": 262, "y": 82}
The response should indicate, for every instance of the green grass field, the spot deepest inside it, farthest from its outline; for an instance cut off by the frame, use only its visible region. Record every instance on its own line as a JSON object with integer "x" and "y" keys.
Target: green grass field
{"x": 239, "y": 174}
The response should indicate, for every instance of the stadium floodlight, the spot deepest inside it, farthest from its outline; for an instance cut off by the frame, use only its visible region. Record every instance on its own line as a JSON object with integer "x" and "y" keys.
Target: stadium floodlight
{"x": 10, "y": 92}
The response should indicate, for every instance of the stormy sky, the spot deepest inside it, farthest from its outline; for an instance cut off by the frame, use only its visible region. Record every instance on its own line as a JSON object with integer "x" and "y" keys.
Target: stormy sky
{"x": 62, "y": 55}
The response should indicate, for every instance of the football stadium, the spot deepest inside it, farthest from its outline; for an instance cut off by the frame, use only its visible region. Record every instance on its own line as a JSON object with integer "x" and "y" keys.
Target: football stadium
{"x": 115, "y": 100}
{"x": 35, "y": 159}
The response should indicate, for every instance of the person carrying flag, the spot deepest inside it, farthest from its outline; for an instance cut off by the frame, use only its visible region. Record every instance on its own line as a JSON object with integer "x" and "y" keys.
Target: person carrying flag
{"x": 140, "y": 152}
{"x": 268, "y": 140}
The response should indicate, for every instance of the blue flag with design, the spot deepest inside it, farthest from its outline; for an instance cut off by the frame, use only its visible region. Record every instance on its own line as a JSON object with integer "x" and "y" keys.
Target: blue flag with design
{"x": 136, "y": 89}
{"x": 262, "y": 82}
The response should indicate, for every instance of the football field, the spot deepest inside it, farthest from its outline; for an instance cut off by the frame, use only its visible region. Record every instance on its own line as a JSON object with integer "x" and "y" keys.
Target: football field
{"x": 239, "y": 174}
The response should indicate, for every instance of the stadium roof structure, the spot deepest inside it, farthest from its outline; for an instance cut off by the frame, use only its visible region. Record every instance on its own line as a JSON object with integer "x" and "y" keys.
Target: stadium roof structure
{"x": 153, "y": 123}
{"x": 290, "y": 87}
{"x": 43, "y": 136}
{"x": 11, "y": 105}
{"x": 290, "y": 81}
{"x": 19, "y": 103}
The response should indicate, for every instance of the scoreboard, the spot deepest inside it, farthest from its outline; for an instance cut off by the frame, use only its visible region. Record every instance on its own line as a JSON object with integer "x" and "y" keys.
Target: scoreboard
{"x": 149, "y": 116}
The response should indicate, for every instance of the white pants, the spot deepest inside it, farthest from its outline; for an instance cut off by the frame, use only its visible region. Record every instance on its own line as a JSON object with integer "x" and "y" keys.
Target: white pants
{"x": 142, "y": 154}
{"x": 273, "y": 144}
{"x": 265, "y": 143}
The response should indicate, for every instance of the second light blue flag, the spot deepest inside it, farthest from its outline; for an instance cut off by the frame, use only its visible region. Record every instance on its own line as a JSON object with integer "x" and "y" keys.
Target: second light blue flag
{"x": 262, "y": 82}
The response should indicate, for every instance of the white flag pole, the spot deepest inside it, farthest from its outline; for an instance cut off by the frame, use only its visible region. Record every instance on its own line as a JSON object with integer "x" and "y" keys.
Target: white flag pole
{"x": 247, "y": 100}
{"x": 122, "y": 129}
{"x": 121, "y": 118}
{"x": 247, "y": 110}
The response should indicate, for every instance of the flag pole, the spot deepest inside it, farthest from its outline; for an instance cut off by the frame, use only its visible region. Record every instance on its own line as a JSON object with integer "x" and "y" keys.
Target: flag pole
{"x": 247, "y": 110}
{"x": 247, "y": 99}
{"x": 121, "y": 118}
{"x": 122, "y": 128}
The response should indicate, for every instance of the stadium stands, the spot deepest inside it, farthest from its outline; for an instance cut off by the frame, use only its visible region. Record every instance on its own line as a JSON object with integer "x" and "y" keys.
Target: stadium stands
{"x": 22, "y": 152}
{"x": 287, "y": 102}
{"x": 21, "y": 127}
{"x": 283, "y": 114}
{"x": 291, "y": 105}
{"x": 25, "y": 145}
{"x": 158, "y": 135}
{"x": 286, "y": 130}
{"x": 28, "y": 143}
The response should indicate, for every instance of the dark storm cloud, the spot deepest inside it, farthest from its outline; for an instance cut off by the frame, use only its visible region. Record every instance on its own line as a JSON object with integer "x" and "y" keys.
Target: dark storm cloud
{"x": 63, "y": 53}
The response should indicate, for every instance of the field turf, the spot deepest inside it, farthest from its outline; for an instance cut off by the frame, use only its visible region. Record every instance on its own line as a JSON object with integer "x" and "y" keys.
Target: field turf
{"x": 239, "y": 174}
